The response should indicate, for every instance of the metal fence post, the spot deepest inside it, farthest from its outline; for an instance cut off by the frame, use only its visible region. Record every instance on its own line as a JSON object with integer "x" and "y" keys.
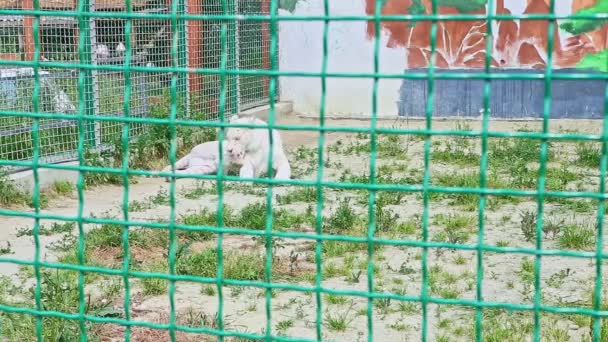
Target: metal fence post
{"x": 84, "y": 27}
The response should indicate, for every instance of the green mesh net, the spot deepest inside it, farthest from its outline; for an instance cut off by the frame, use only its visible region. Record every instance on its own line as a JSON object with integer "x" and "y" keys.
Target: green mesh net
{"x": 234, "y": 75}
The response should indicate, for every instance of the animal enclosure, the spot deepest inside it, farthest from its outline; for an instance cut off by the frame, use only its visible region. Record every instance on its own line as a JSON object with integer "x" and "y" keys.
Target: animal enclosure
{"x": 388, "y": 230}
{"x": 57, "y": 39}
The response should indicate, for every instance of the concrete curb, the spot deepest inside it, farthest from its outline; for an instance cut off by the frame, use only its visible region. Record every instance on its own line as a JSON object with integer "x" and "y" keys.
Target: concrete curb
{"x": 262, "y": 112}
{"x": 46, "y": 177}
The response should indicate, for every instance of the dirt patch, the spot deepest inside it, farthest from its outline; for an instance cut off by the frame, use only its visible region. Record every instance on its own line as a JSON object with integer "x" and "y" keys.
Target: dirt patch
{"x": 448, "y": 226}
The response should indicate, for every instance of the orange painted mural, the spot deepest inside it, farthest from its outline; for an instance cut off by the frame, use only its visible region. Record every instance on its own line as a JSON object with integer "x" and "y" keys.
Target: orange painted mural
{"x": 516, "y": 43}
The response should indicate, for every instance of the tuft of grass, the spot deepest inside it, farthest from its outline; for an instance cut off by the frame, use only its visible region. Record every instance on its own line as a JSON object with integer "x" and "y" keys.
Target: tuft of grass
{"x": 154, "y": 286}
{"x": 588, "y": 154}
{"x": 526, "y": 273}
{"x": 338, "y": 321}
{"x": 4, "y": 250}
{"x": 335, "y": 299}
{"x": 528, "y": 225}
{"x": 55, "y": 228}
{"x": 506, "y": 151}
{"x": 457, "y": 151}
{"x": 283, "y": 326}
{"x": 579, "y": 237}
{"x": 58, "y": 292}
{"x": 11, "y": 194}
{"x": 208, "y": 290}
{"x": 63, "y": 188}
{"x": 239, "y": 266}
{"x": 254, "y": 216}
{"x": 306, "y": 195}
{"x": 342, "y": 220}
{"x": 500, "y": 326}
{"x": 469, "y": 201}
{"x": 457, "y": 228}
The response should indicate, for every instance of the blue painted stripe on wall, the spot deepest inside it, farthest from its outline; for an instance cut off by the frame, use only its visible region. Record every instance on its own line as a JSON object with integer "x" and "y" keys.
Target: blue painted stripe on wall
{"x": 509, "y": 99}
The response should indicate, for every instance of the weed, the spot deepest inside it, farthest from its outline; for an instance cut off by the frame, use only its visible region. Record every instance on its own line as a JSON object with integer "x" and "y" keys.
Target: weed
{"x": 468, "y": 180}
{"x": 343, "y": 219}
{"x": 59, "y": 293}
{"x": 254, "y": 216}
{"x": 383, "y": 305}
{"x": 154, "y": 286}
{"x": 579, "y": 237}
{"x": 208, "y": 290}
{"x": 205, "y": 217}
{"x": 552, "y": 226}
{"x": 526, "y": 273}
{"x": 408, "y": 308}
{"x": 98, "y": 160}
{"x": 502, "y": 243}
{"x": 307, "y": 194}
{"x": 333, "y": 248}
{"x": 528, "y": 225}
{"x": 55, "y": 228}
{"x": 588, "y": 154}
{"x": 457, "y": 151}
{"x": 460, "y": 260}
{"x": 457, "y": 228}
{"x": 161, "y": 198}
{"x": 335, "y": 299}
{"x": 338, "y": 321}
{"x": 6, "y": 249}
{"x": 283, "y": 326}
{"x": 398, "y": 326}
{"x": 354, "y": 276}
{"x": 63, "y": 188}
{"x": 240, "y": 266}
{"x": 557, "y": 279}
{"x": 505, "y": 151}
{"x": 135, "y": 206}
{"x": 10, "y": 194}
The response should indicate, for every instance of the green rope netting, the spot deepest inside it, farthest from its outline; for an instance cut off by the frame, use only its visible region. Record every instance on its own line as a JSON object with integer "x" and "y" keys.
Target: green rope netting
{"x": 177, "y": 70}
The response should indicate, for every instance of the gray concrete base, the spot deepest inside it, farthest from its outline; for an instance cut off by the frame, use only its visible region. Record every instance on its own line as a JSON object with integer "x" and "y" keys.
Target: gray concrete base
{"x": 262, "y": 112}
{"x": 46, "y": 177}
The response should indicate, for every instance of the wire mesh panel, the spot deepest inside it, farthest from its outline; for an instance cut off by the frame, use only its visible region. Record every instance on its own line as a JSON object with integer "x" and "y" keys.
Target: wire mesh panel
{"x": 254, "y": 53}
{"x": 58, "y": 38}
{"x": 207, "y": 49}
{"x": 57, "y": 88}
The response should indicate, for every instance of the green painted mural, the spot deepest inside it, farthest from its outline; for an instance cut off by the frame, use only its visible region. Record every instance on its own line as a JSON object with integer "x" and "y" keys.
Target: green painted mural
{"x": 288, "y": 5}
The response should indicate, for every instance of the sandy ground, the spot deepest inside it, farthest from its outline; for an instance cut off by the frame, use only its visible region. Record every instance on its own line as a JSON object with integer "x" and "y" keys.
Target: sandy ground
{"x": 399, "y": 267}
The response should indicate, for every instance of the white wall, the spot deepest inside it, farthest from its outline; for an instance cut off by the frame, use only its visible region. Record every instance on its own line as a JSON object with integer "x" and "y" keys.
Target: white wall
{"x": 349, "y": 51}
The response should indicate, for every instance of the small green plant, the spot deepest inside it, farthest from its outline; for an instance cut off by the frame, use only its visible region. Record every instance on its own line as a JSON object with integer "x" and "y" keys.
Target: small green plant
{"x": 154, "y": 286}
{"x": 6, "y": 249}
{"x": 338, "y": 321}
{"x": 502, "y": 243}
{"x": 55, "y": 228}
{"x": 460, "y": 260}
{"x": 342, "y": 220}
{"x": 63, "y": 188}
{"x": 10, "y": 194}
{"x": 579, "y": 237}
{"x": 383, "y": 305}
{"x": 526, "y": 272}
{"x": 283, "y": 326}
{"x": 457, "y": 228}
{"x": 335, "y": 299}
{"x": 307, "y": 194}
{"x": 528, "y": 225}
{"x": 588, "y": 154}
{"x": 208, "y": 290}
